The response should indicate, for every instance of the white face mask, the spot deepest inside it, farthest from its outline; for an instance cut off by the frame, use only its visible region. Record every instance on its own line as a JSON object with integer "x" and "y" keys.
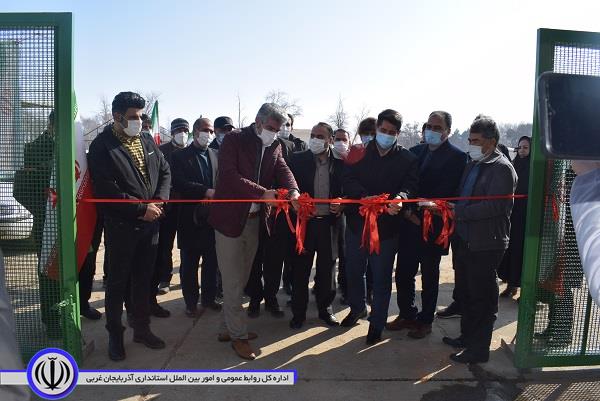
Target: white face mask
{"x": 284, "y": 133}
{"x": 475, "y": 152}
{"x": 204, "y": 139}
{"x": 147, "y": 132}
{"x": 267, "y": 137}
{"x": 341, "y": 147}
{"x": 134, "y": 127}
{"x": 316, "y": 145}
{"x": 180, "y": 138}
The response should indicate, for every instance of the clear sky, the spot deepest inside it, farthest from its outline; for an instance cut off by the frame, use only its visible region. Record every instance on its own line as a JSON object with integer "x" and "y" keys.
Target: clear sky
{"x": 466, "y": 57}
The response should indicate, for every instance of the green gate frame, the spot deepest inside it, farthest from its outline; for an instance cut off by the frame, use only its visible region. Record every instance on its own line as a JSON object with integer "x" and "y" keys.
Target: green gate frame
{"x": 65, "y": 167}
{"x": 547, "y": 39}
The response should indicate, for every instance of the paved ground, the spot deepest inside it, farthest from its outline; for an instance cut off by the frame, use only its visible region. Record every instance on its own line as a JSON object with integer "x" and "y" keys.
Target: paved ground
{"x": 331, "y": 363}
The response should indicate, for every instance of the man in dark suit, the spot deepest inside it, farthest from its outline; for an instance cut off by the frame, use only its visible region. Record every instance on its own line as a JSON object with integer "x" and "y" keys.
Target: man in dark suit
{"x": 441, "y": 165}
{"x": 273, "y": 250}
{"x": 317, "y": 173}
{"x": 127, "y": 165}
{"x": 194, "y": 176}
{"x": 163, "y": 270}
{"x": 250, "y": 163}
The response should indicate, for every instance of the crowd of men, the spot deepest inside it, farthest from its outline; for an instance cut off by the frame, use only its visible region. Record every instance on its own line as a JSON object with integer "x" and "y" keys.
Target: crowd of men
{"x": 245, "y": 248}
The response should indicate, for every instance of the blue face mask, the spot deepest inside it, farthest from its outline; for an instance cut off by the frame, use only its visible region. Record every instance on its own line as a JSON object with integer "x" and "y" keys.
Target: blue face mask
{"x": 365, "y": 139}
{"x": 220, "y": 137}
{"x": 432, "y": 137}
{"x": 385, "y": 141}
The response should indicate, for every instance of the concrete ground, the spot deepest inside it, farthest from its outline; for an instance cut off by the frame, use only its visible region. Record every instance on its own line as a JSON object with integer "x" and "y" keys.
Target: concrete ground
{"x": 331, "y": 363}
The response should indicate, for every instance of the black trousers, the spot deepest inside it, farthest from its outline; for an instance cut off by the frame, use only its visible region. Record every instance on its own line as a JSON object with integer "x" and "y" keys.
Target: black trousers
{"x": 317, "y": 240}
{"x": 341, "y": 274}
{"x": 190, "y": 259}
{"x": 132, "y": 249}
{"x": 164, "y": 255}
{"x": 265, "y": 276}
{"x": 477, "y": 271}
{"x": 412, "y": 252}
{"x": 88, "y": 269}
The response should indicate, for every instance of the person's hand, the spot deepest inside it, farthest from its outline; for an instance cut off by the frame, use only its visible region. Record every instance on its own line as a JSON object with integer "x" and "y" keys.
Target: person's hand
{"x": 293, "y": 196}
{"x": 270, "y": 194}
{"x": 153, "y": 212}
{"x": 394, "y": 208}
{"x": 210, "y": 193}
{"x": 336, "y": 208}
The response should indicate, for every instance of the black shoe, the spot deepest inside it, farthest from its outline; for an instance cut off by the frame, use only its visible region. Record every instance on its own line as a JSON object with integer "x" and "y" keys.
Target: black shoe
{"x": 213, "y": 305}
{"x": 373, "y": 336}
{"x": 509, "y": 292}
{"x": 465, "y": 356}
{"x": 275, "y": 310}
{"x": 343, "y": 300}
{"x": 147, "y": 338}
{"x": 116, "y": 348}
{"x": 91, "y": 313}
{"x": 352, "y": 318}
{"x": 158, "y": 311}
{"x": 457, "y": 342}
{"x": 452, "y": 311}
{"x": 329, "y": 318}
{"x": 253, "y": 309}
{"x": 296, "y": 323}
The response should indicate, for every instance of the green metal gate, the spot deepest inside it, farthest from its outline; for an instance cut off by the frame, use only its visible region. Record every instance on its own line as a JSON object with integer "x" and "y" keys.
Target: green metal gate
{"x": 37, "y": 197}
{"x": 559, "y": 325}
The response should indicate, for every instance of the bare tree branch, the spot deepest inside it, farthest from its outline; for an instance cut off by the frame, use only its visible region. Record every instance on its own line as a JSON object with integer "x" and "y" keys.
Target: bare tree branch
{"x": 339, "y": 119}
{"x": 282, "y": 99}
{"x": 241, "y": 120}
{"x": 150, "y": 97}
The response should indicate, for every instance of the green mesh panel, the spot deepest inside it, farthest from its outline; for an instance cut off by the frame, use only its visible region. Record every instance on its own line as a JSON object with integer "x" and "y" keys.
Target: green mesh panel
{"x": 559, "y": 324}
{"x": 28, "y": 222}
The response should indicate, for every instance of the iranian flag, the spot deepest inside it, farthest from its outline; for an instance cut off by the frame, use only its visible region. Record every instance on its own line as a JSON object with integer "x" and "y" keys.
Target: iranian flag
{"x": 155, "y": 124}
{"x": 85, "y": 213}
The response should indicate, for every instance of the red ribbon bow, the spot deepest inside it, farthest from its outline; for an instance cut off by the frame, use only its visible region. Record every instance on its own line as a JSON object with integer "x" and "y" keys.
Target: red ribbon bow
{"x": 306, "y": 209}
{"x": 447, "y": 223}
{"x": 282, "y": 194}
{"x": 370, "y": 209}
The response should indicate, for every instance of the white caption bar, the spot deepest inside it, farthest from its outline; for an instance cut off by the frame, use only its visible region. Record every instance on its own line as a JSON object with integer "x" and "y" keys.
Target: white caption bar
{"x": 159, "y": 378}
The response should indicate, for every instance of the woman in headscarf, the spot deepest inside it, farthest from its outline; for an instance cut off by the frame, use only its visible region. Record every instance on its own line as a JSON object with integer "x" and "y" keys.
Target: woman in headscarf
{"x": 512, "y": 264}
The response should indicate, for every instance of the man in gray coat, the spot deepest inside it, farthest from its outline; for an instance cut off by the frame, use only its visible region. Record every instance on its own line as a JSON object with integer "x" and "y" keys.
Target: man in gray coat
{"x": 481, "y": 237}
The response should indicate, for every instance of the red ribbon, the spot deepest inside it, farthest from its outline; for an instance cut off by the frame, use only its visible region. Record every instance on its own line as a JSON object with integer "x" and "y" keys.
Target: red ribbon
{"x": 282, "y": 194}
{"x": 447, "y": 223}
{"x": 306, "y": 209}
{"x": 370, "y": 209}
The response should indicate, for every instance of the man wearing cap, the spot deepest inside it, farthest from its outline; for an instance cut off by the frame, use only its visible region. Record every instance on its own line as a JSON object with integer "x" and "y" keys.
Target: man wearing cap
{"x": 194, "y": 177}
{"x": 163, "y": 272}
{"x": 223, "y": 126}
{"x": 250, "y": 164}
{"x": 127, "y": 165}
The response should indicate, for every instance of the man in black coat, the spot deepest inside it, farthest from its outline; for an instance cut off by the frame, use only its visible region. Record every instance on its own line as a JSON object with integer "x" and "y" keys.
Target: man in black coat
{"x": 194, "y": 176}
{"x": 163, "y": 272}
{"x": 319, "y": 174}
{"x": 385, "y": 168}
{"x": 441, "y": 165}
{"x": 127, "y": 165}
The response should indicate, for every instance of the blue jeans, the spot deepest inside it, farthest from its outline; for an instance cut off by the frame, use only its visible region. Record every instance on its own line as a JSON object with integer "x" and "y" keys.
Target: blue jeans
{"x": 381, "y": 265}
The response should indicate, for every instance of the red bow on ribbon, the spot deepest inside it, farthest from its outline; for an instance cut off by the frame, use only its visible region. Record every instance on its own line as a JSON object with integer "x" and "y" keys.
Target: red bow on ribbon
{"x": 447, "y": 223}
{"x": 370, "y": 209}
{"x": 306, "y": 209}
{"x": 282, "y": 194}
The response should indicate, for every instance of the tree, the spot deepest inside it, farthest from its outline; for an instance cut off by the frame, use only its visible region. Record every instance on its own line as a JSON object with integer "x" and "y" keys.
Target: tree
{"x": 339, "y": 119}
{"x": 241, "y": 120}
{"x": 150, "y": 97}
{"x": 410, "y": 134}
{"x": 282, "y": 99}
{"x": 358, "y": 117}
{"x": 105, "y": 111}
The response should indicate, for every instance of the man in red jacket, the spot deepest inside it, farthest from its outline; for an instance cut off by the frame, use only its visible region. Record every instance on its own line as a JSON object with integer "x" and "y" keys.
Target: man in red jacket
{"x": 250, "y": 163}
